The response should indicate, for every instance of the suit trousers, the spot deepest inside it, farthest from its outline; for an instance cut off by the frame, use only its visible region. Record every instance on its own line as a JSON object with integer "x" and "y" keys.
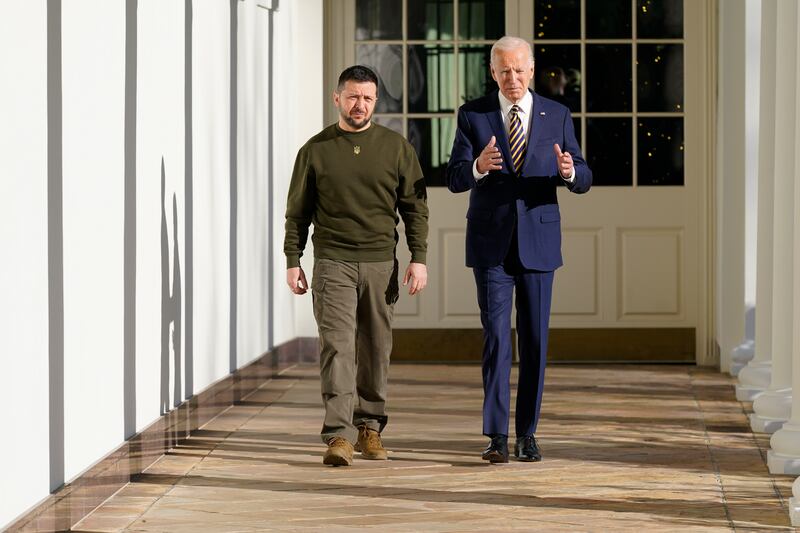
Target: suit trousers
{"x": 496, "y": 286}
{"x": 353, "y": 307}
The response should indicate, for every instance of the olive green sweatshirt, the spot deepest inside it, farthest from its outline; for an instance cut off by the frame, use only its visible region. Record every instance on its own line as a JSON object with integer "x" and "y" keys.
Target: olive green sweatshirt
{"x": 351, "y": 186}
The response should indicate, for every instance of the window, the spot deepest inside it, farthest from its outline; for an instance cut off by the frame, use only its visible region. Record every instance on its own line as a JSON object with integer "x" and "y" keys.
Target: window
{"x": 588, "y": 54}
{"x": 431, "y": 56}
{"x": 617, "y": 64}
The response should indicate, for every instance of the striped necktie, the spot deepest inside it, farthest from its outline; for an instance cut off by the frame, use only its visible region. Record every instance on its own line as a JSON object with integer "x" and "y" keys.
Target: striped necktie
{"x": 516, "y": 137}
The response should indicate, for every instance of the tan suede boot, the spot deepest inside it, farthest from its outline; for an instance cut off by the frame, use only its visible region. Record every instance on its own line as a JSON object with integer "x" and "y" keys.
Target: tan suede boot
{"x": 370, "y": 445}
{"x": 339, "y": 452}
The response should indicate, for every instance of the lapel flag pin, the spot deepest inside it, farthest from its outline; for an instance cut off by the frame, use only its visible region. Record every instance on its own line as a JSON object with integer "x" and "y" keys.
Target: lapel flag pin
{"x": 542, "y": 113}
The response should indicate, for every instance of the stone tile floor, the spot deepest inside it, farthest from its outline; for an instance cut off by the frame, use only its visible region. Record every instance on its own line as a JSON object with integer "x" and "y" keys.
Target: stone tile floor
{"x": 626, "y": 448}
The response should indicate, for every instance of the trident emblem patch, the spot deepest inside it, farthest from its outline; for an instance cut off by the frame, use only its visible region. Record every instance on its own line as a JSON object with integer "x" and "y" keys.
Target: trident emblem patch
{"x": 356, "y": 149}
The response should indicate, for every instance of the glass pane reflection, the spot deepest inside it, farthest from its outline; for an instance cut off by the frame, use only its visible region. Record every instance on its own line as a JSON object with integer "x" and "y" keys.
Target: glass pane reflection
{"x": 608, "y": 77}
{"x": 609, "y": 150}
{"x": 558, "y": 73}
{"x": 431, "y": 75}
{"x": 474, "y": 77}
{"x": 481, "y": 19}
{"x": 430, "y": 19}
{"x": 659, "y": 18}
{"x": 608, "y": 19}
{"x": 660, "y": 151}
{"x": 387, "y": 62}
{"x": 378, "y": 19}
{"x": 432, "y": 138}
{"x": 557, "y": 19}
{"x": 393, "y": 123}
{"x": 660, "y": 77}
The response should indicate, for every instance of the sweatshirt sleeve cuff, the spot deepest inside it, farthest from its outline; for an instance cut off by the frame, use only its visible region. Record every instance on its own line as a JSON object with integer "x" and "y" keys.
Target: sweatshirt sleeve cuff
{"x": 418, "y": 257}
{"x": 292, "y": 261}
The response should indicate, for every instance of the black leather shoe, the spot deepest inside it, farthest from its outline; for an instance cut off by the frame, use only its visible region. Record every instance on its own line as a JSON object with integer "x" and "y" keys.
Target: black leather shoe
{"x": 526, "y": 449}
{"x": 497, "y": 451}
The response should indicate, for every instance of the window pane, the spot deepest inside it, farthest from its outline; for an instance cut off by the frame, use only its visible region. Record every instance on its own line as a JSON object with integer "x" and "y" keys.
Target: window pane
{"x": 557, "y": 19}
{"x": 387, "y": 62}
{"x": 393, "y": 123}
{"x": 659, "y": 18}
{"x": 609, "y": 150}
{"x": 660, "y": 77}
{"x": 430, "y": 19}
{"x": 481, "y": 19}
{"x": 474, "y": 77}
{"x": 558, "y": 73}
{"x": 660, "y": 151}
{"x": 608, "y": 19}
{"x": 608, "y": 77}
{"x": 431, "y": 75}
{"x": 432, "y": 138}
{"x": 379, "y": 19}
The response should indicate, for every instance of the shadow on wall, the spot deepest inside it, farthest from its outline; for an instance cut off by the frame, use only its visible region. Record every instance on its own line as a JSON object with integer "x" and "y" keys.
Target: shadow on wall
{"x": 129, "y": 224}
{"x": 55, "y": 247}
{"x": 171, "y": 304}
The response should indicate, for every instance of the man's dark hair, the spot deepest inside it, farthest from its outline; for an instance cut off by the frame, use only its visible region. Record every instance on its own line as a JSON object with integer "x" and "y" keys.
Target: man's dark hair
{"x": 356, "y": 73}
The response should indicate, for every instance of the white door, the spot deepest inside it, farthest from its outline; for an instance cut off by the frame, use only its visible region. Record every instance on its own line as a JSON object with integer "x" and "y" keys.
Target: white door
{"x": 636, "y": 75}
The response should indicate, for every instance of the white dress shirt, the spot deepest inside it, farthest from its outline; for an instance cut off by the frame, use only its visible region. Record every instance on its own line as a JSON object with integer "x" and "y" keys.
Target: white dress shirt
{"x": 524, "y": 113}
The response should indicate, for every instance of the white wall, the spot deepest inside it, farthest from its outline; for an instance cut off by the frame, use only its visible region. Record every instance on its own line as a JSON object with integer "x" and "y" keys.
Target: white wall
{"x": 159, "y": 140}
{"x": 211, "y": 199}
{"x": 301, "y": 67}
{"x": 94, "y": 204}
{"x": 92, "y": 140}
{"x": 23, "y": 270}
{"x": 253, "y": 193}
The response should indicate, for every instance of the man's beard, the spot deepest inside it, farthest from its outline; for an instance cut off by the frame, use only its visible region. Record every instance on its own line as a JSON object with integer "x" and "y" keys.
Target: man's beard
{"x": 353, "y": 123}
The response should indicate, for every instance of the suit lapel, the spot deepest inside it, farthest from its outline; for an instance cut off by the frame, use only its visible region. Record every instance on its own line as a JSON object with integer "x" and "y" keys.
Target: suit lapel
{"x": 535, "y": 127}
{"x": 496, "y": 122}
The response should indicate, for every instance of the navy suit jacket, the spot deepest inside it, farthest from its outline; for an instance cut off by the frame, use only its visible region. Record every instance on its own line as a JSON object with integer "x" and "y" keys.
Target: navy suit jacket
{"x": 502, "y": 200}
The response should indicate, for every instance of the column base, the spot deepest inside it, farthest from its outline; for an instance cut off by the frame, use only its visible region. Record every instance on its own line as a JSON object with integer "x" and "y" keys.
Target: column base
{"x": 765, "y": 425}
{"x": 784, "y": 453}
{"x": 754, "y": 379}
{"x": 782, "y": 464}
{"x": 771, "y": 410}
{"x": 794, "y": 511}
{"x": 741, "y": 355}
{"x": 736, "y": 368}
{"x": 794, "y": 503}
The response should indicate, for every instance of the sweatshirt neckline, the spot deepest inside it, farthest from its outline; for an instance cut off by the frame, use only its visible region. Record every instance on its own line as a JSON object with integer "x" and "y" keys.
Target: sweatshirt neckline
{"x": 354, "y": 133}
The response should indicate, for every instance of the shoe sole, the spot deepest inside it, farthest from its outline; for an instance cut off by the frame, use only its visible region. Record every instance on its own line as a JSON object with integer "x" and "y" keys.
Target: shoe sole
{"x": 336, "y": 460}
{"x": 495, "y": 457}
{"x": 375, "y": 457}
{"x": 528, "y": 459}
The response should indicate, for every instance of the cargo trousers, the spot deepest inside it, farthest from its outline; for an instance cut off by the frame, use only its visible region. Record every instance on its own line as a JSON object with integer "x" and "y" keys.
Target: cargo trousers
{"x": 353, "y": 307}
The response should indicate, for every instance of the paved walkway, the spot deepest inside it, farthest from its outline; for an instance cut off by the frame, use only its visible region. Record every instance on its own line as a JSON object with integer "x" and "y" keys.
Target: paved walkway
{"x": 656, "y": 448}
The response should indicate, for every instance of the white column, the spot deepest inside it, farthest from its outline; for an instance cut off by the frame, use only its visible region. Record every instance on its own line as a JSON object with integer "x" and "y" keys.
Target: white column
{"x": 730, "y": 179}
{"x": 772, "y": 407}
{"x": 755, "y": 377}
{"x": 745, "y": 352}
{"x": 784, "y": 457}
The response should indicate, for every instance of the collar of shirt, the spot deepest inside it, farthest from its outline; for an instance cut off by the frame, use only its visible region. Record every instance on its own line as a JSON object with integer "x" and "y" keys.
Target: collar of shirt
{"x": 525, "y": 106}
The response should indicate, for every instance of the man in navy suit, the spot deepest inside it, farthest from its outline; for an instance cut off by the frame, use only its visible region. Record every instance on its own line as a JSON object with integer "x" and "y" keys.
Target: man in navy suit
{"x": 511, "y": 151}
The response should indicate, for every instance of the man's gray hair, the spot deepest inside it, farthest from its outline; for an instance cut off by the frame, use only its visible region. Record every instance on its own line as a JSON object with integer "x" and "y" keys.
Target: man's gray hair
{"x": 506, "y": 43}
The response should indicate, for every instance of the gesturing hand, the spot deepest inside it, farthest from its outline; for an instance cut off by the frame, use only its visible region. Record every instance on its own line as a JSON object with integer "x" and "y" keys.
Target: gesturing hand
{"x": 296, "y": 280}
{"x": 490, "y": 157}
{"x": 417, "y": 274}
{"x": 564, "y": 162}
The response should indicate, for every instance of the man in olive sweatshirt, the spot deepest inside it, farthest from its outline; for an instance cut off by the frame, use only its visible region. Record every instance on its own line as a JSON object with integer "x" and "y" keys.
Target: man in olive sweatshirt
{"x": 351, "y": 180}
